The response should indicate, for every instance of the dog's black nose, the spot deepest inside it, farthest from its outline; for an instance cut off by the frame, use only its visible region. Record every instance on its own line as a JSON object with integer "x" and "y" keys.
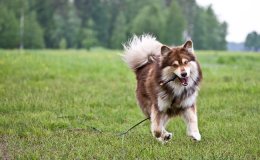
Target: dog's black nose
{"x": 183, "y": 74}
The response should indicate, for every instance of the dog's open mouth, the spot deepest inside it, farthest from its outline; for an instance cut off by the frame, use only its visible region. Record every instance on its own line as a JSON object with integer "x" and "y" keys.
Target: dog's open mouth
{"x": 184, "y": 81}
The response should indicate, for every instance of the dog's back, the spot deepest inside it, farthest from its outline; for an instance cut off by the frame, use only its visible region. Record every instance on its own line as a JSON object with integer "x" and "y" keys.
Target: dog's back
{"x": 141, "y": 55}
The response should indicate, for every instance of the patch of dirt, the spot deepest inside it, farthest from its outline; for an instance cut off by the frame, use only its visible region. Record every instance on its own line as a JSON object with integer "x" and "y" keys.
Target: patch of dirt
{"x": 3, "y": 148}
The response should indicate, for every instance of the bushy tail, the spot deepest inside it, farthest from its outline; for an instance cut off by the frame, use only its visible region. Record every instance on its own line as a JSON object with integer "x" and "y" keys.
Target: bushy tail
{"x": 138, "y": 50}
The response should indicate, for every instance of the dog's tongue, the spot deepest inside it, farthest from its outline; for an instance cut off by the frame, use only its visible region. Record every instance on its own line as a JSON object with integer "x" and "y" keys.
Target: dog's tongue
{"x": 184, "y": 81}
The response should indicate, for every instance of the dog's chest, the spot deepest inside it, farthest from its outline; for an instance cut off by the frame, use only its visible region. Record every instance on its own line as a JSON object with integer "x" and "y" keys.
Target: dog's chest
{"x": 166, "y": 101}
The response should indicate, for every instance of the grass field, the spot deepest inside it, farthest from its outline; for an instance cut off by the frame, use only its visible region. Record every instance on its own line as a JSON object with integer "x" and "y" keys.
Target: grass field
{"x": 72, "y": 104}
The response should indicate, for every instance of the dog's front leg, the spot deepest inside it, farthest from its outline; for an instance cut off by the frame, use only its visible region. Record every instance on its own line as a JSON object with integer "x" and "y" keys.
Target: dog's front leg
{"x": 191, "y": 120}
{"x": 158, "y": 122}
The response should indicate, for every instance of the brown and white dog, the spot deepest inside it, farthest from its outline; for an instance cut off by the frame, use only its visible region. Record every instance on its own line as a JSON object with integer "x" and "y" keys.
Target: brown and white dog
{"x": 154, "y": 63}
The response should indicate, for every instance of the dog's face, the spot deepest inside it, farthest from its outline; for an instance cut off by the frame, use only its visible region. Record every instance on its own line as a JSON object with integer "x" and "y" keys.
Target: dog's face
{"x": 179, "y": 61}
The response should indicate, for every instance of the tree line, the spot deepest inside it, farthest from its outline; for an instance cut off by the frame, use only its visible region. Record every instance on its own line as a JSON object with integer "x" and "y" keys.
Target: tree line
{"x": 107, "y": 23}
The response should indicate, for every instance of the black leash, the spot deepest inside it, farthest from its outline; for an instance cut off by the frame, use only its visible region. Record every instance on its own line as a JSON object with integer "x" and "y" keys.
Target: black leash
{"x": 121, "y": 134}
{"x": 100, "y": 131}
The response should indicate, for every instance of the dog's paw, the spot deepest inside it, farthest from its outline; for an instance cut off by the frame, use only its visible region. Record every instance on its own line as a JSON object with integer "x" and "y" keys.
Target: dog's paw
{"x": 167, "y": 136}
{"x": 195, "y": 136}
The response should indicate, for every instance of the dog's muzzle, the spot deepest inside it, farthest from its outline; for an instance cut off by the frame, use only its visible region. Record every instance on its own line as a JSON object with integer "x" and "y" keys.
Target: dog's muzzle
{"x": 184, "y": 81}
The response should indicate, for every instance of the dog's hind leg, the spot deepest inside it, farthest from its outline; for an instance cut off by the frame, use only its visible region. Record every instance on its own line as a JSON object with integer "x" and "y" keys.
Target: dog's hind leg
{"x": 191, "y": 120}
{"x": 158, "y": 122}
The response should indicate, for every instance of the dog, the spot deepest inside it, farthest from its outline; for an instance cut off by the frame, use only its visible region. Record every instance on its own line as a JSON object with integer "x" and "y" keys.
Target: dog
{"x": 154, "y": 64}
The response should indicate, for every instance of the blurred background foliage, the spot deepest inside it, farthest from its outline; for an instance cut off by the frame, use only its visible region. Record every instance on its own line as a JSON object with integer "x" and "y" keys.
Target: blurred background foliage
{"x": 107, "y": 23}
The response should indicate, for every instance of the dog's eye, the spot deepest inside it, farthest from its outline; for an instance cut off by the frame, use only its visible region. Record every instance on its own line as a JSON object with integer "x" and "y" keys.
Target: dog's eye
{"x": 175, "y": 65}
{"x": 185, "y": 62}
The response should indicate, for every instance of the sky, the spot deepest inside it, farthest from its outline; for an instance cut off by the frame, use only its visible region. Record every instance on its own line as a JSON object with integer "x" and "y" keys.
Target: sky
{"x": 242, "y": 16}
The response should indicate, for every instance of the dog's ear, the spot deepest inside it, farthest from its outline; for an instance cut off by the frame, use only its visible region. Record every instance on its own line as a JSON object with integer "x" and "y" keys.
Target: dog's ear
{"x": 188, "y": 45}
{"x": 165, "y": 50}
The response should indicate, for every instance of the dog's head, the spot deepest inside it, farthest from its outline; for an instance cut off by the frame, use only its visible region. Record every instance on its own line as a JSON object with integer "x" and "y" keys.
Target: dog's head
{"x": 180, "y": 61}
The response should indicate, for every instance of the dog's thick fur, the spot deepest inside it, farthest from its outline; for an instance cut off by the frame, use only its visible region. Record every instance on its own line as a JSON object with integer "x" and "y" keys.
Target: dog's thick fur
{"x": 154, "y": 63}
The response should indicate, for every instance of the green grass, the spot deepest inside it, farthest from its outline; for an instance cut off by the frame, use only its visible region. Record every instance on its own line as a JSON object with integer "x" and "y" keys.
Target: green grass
{"x": 53, "y": 105}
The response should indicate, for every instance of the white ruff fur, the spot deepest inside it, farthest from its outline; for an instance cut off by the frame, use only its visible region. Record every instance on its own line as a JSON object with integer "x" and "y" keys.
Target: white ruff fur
{"x": 163, "y": 101}
{"x": 138, "y": 50}
{"x": 189, "y": 101}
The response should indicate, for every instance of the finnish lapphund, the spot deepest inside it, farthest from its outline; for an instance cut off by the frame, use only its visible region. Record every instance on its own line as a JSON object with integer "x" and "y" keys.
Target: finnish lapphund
{"x": 159, "y": 95}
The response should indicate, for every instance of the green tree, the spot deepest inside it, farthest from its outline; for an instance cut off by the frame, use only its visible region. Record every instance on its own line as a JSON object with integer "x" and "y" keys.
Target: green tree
{"x": 212, "y": 29}
{"x": 216, "y": 31}
{"x": 67, "y": 25}
{"x": 188, "y": 8}
{"x": 9, "y": 29}
{"x": 72, "y": 27}
{"x": 222, "y": 44}
{"x": 57, "y": 32}
{"x": 119, "y": 31}
{"x": 33, "y": 33}
{"x": 45, "y": 10}
{"x": 175, "y": 25}
{"x": 88, "y": 35}
{"x": 149, "y": 20}
{"x": 208, "y": 32}
{"x": 252, "y": 41}
{"x": 63, "y": 43}
{"x": 200, "y": 30}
